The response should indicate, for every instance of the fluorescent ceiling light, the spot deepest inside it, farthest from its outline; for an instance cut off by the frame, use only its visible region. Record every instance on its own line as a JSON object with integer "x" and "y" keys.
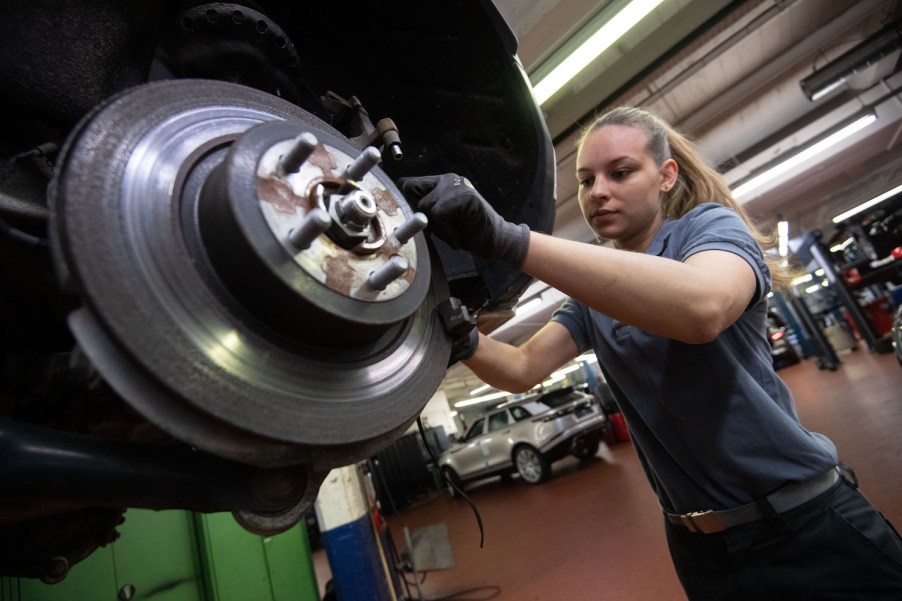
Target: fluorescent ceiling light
{"x": 868, "y": 204}
{"x": 868, "y": 52}
{"x": 799, "y": 158}
{"x": 607, "y": 34}
{"x": 824, "y": 91}
{"x": 802, "y": 279}
{"x": 482, "y": 388}
{"x": 782, "y": 238}
{"x": 811, "y": 289}
{"x": 842, "y": 245}
{"x": 481, "y": 399}
{"x": 559, "y": 375}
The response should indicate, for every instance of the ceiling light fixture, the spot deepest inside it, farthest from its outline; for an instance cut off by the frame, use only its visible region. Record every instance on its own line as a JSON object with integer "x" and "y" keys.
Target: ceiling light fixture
{"x": 867, "y": 204}
{"x": 835, "y": 73}
{"x": 559, "y": 375}
{"x": 800, "y": 157}
{"x": 481, "y": 399}
{"x": 842, "y": 245}
{"x": 603, "y": 38}
{"x": 482, "y": 388}
{"x": 783, "y": 237}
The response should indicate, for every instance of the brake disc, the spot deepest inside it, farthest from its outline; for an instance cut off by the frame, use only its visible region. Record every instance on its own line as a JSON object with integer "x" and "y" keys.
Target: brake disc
{"x": 250, "y": 282}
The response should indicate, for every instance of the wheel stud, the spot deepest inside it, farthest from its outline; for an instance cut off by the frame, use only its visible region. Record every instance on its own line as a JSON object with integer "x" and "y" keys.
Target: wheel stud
{"x": 367, "y": 159}
{"x": 411, "y": 227}
{"x": 303, "y": 147}
{"x": 315, "y": 223}
{"x": 388, "y": 273}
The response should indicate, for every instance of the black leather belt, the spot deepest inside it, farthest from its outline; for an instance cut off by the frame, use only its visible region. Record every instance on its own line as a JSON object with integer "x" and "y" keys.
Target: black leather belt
{"x": 786, "y": 498}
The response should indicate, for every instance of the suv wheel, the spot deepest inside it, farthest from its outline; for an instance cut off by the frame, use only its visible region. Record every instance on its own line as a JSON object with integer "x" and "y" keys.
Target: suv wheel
{"x": 586, "y": 450}
{"x": 532, "y": 466}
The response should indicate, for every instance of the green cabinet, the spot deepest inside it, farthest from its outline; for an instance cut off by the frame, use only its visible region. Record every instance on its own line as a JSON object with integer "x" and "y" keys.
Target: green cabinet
{"x": 177, "y": 555}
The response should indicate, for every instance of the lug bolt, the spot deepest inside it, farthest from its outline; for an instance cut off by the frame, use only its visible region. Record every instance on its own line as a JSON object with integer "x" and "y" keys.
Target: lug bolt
{"x": 315, "y": 223}
{"x": 411, "y": 227}
{"x": 388, "y": 273}
{"x": 368, "y": 159}
{"x": 303, "y": 147}
{"x": 356, "y": 209}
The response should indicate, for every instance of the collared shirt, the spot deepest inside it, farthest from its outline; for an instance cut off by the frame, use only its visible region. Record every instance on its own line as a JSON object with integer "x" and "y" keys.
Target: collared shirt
{"x": 713, "y": 424}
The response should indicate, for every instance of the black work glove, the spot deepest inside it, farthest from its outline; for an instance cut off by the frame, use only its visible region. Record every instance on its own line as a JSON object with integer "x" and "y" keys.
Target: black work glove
{"x": 461, "y": 326}
{"x": 461, "y": 217}
{"x": 464, "y": 347}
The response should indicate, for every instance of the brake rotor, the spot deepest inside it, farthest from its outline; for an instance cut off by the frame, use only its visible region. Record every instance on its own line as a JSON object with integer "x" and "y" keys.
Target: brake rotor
{"x": 251, "y": 282}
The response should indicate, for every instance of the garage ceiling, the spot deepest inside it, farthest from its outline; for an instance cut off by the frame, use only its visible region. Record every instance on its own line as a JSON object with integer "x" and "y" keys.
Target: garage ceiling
{"x": 726, "y": 74}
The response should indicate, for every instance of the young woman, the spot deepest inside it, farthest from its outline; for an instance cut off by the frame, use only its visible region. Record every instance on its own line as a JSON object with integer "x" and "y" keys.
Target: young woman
{"x": 754, "y": 505}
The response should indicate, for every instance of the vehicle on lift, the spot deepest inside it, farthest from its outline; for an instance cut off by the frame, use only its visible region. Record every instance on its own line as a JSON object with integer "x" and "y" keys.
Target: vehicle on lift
{"x": 525, "y": 437}
{"x": 781, "y": 350}
{"x": 213, "y": 291}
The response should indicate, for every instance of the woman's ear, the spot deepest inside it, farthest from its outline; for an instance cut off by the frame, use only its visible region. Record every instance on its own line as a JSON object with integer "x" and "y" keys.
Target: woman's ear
{"x": 669, "y": 172}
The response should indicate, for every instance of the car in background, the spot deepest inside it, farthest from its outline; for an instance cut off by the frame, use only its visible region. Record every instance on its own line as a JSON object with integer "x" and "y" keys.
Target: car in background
{"x": 525, "y": 437}
{"x": 781, "y": 350}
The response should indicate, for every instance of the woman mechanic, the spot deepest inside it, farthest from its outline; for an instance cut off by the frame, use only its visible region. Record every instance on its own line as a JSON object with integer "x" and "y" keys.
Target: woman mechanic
{"x": 755, "y": 506}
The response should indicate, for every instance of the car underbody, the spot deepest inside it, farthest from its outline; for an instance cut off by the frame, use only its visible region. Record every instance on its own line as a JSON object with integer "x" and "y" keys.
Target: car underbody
{"x": 189, "y": 319}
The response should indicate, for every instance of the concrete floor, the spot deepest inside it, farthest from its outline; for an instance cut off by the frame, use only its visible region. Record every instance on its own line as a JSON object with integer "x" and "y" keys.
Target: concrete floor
{"x": 594, "y": 530}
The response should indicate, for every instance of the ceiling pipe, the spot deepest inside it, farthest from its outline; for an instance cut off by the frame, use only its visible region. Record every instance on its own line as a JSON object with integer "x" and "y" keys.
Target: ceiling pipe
{"x": 745, "y": 128}
{"x": 831, "y": 77}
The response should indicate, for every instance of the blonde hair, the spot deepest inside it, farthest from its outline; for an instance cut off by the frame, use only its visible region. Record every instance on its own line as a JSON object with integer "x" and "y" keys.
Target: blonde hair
{"x": 697, "y": 182}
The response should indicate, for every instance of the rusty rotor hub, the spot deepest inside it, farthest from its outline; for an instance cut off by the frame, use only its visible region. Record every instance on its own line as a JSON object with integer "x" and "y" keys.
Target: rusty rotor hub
{"x": 249, "y": 281}
{"x": 305, "y": 234}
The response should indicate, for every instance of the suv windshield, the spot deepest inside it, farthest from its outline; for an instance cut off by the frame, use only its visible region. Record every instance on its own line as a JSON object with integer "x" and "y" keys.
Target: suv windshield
{"x": 475, "y": 430}
{"x": 557, "y": 398}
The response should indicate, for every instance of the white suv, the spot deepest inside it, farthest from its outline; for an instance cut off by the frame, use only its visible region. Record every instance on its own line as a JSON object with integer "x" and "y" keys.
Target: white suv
{"x": 526, "y": 436}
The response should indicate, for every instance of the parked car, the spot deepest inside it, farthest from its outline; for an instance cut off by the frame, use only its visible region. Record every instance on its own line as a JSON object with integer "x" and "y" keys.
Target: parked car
{"x": 525, "y": 437}
{"x": 781, "y": 351}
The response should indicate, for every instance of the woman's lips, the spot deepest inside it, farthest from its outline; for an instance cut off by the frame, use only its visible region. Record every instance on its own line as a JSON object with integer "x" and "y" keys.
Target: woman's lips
{"x": 603, "y": 216}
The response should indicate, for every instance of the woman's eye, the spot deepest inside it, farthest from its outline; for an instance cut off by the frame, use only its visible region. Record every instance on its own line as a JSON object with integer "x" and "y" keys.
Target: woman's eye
{"x": 585, "y": 182}
{"x": 621, "y": 173}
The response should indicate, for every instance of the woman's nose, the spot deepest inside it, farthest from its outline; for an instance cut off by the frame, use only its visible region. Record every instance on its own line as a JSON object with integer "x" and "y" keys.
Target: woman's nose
{"x": 599, "y": 189}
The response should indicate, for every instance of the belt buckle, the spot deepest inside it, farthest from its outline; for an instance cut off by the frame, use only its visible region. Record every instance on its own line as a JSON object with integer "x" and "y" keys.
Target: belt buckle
{"x": 706, "y": 522}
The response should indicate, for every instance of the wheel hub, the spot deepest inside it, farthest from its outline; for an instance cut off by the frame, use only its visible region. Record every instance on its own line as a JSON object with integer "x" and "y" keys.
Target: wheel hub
{"x": 251, "y": 282}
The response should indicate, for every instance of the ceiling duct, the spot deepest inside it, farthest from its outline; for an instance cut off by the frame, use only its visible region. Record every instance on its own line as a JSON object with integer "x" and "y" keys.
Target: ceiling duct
{"x": 865, "y": 54}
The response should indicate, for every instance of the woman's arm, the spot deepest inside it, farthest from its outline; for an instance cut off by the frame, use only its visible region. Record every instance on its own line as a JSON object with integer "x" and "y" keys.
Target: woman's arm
{"x": 692, "y": 301}
{"x": 518, "y": 369}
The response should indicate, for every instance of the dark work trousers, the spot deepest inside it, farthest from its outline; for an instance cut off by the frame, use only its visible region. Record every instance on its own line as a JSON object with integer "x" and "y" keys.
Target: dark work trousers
{"x": 836, "y": 546}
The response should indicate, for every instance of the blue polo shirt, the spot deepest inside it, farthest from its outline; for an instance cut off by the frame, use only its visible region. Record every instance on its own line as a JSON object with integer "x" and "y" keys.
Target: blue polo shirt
{"x": 713, "y": 424}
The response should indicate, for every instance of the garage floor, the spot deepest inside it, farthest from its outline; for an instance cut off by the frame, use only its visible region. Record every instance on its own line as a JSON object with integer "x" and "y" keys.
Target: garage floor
{"x": 594, "y": 532}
